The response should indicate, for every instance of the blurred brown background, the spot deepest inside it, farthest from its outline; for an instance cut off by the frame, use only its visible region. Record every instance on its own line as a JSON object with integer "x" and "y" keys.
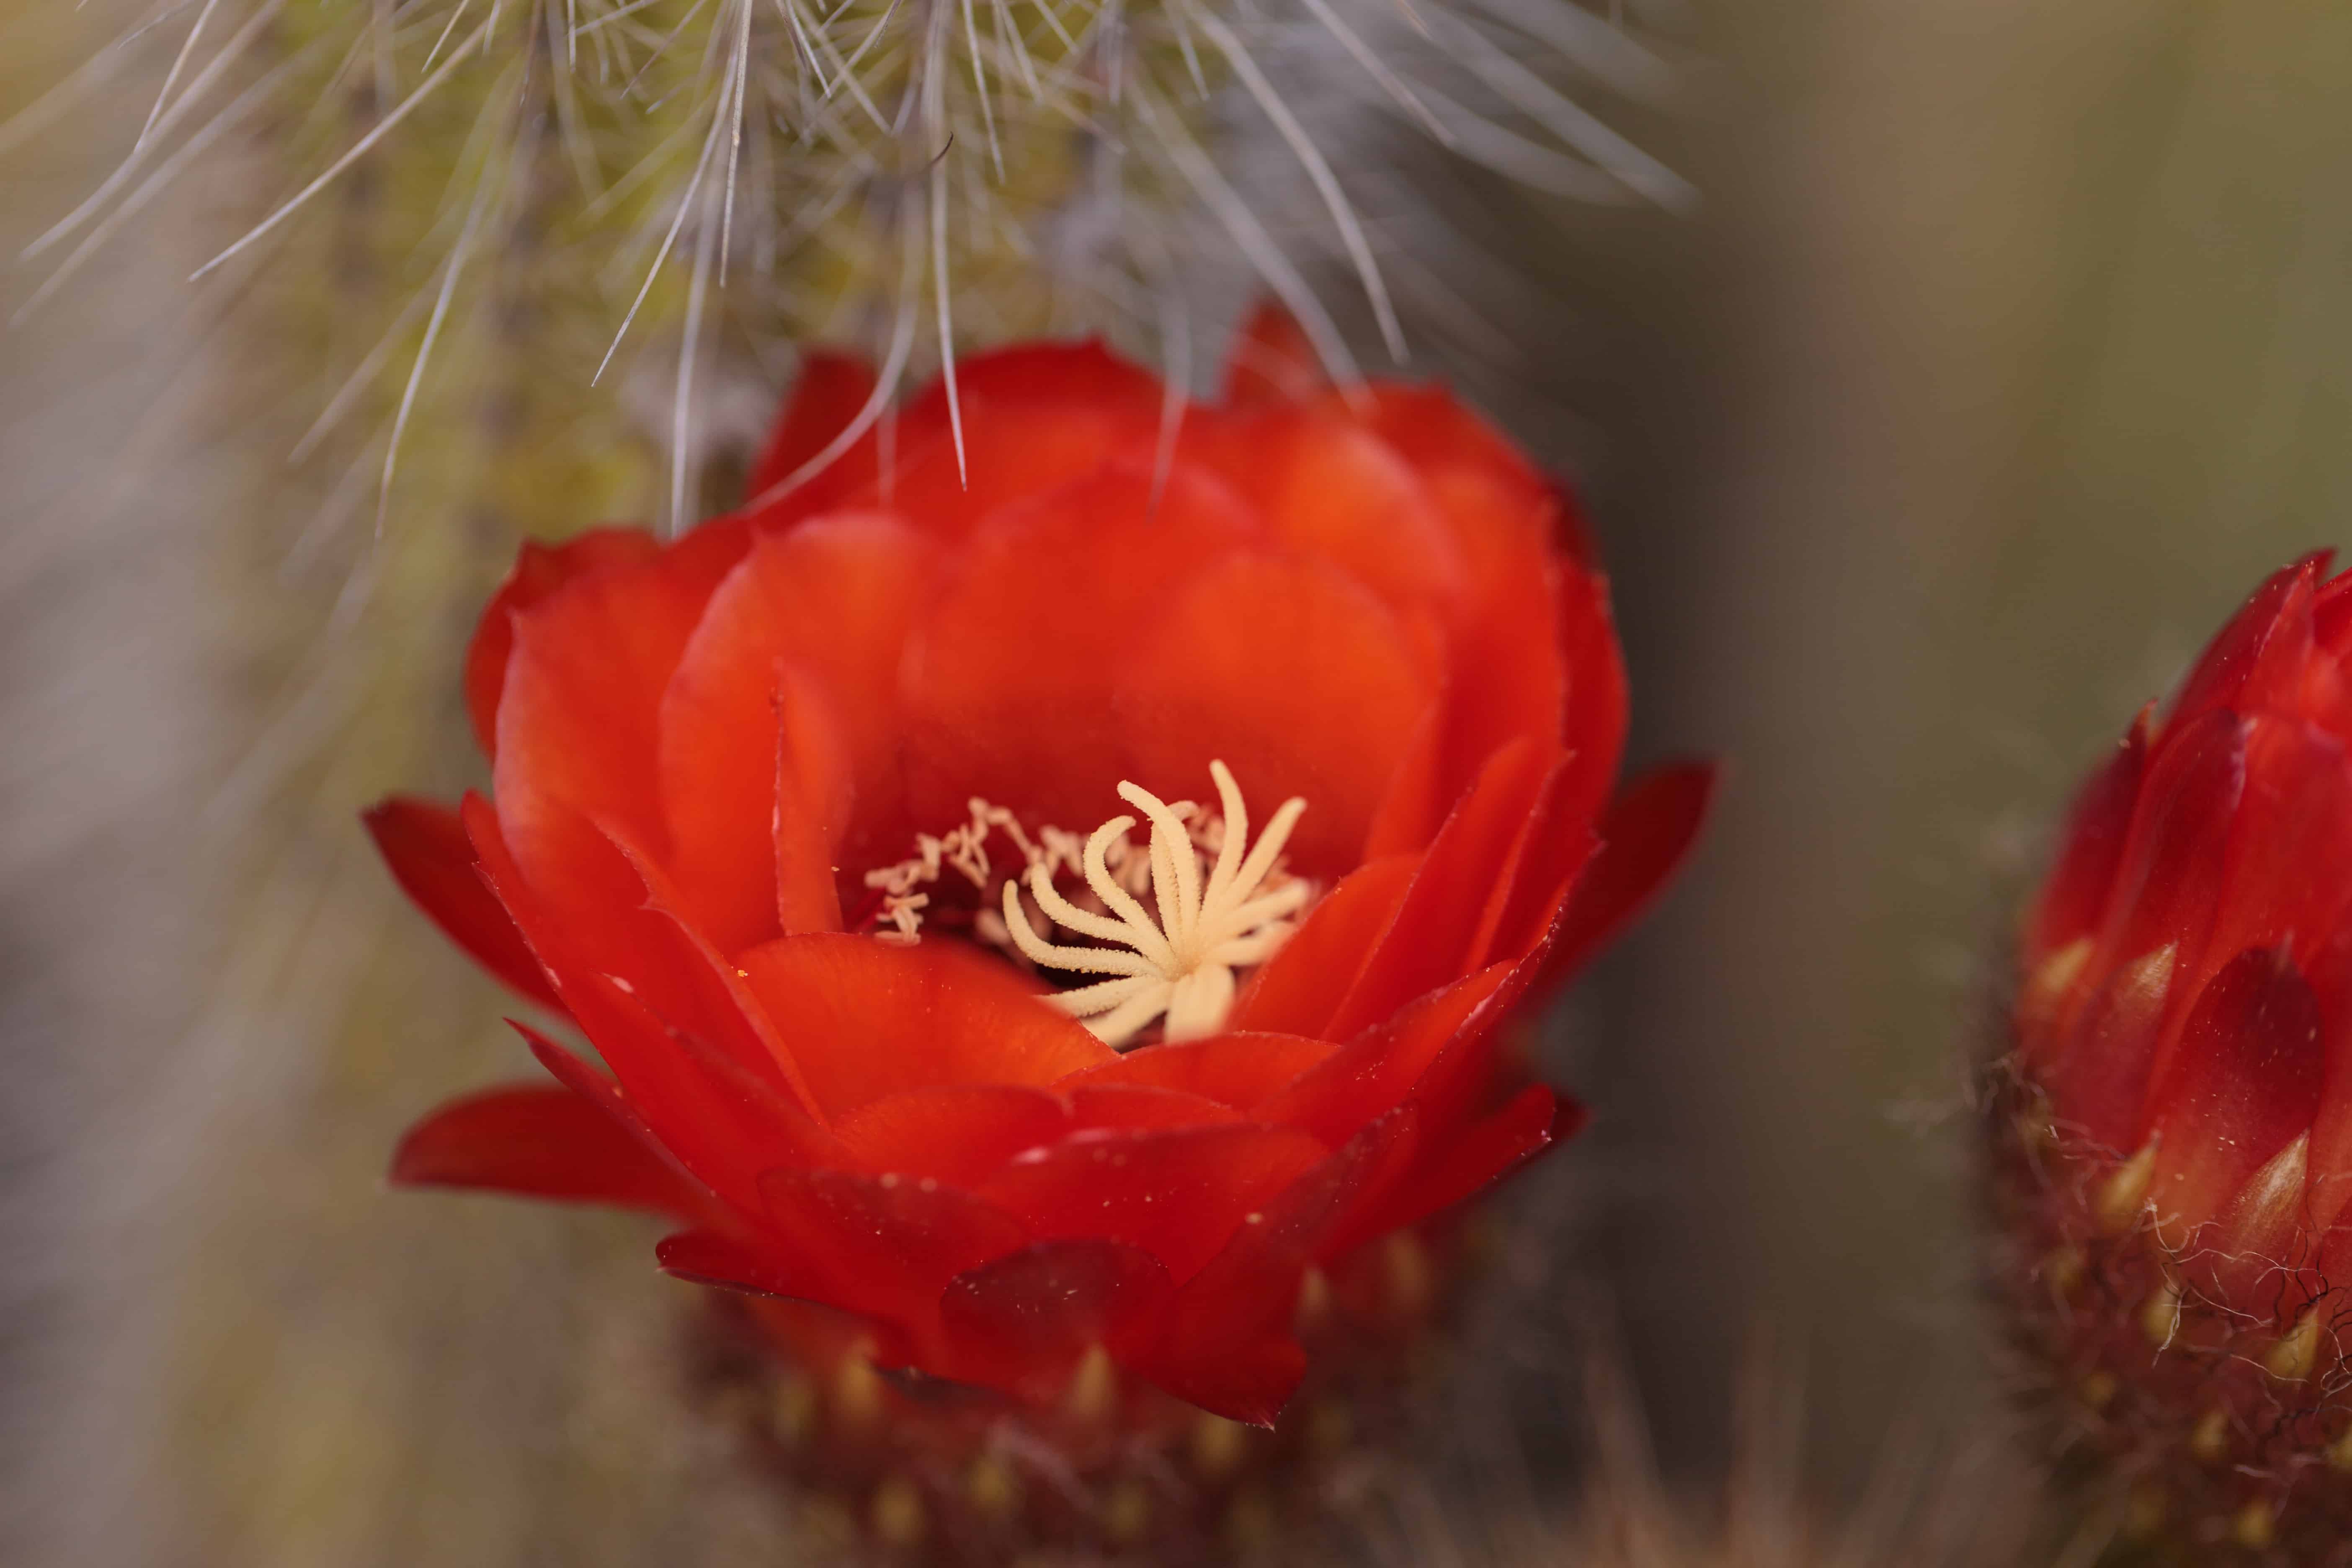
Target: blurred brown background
{"x": 2012, "y": 344}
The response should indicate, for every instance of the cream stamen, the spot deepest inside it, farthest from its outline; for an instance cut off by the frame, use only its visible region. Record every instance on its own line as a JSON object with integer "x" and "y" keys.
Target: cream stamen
{"x": 1182, "y": 965}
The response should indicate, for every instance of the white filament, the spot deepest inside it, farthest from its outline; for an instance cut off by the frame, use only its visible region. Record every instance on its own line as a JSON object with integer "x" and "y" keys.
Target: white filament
{"x": 1182, "y": 965}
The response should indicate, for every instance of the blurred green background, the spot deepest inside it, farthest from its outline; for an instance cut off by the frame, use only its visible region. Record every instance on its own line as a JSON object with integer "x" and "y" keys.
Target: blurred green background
{"x": 2012, "y": 344}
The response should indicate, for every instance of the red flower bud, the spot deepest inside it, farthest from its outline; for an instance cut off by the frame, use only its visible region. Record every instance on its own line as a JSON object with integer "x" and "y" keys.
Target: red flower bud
{"x": 2175, "y": 1129}
{"x": 795, "y": 821}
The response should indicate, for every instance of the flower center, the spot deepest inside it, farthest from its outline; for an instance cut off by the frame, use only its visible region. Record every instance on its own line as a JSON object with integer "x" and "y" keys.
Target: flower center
{"x": 1223, "y": 904}
{"x": 1182, "y": 965}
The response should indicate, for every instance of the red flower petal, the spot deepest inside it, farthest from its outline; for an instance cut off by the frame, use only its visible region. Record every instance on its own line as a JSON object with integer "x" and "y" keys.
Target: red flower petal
{"x": 1329, "y": 487}
{"x": 1428, "y": 944}
{"x": 783, "y": 1134}
{"x": 1178, "y": 1194}
{"x": 2273, "y": 675}
{"x": 1509, "y": 677}
{"x": 810, "y": 809}
{"x": 723, "y": 1128}
{"x": 1476, "y": 1159}
{"x": 1499, "y": 508}
{"x": 885, "y": 1246}
{"x": 538, "y": 570}
{"x": 578, "y": 720}
{"x": 828, "y": 394}
{"x": 1643, "y": 837}
{"x": 539, "y": 1141}
{"x": 1295, "y": 674}
{"x": 703, "y": 1257}
{"x": 425, "y": 846}
{"x": 2214, "y": 681}
{"x": 1036, "y": 416}
{"x": 650, "y": 943}
{"x": 1240, "y": 1070}
{"x": 1011, "y": 456}
{"x": 1420, "y": 791}
{"x": 2074, "y": 899}
{"x": 2247, "y": 1085}
{"x": 1301, "y": 987}
{"x": 1374, "y": 1071}
{"x": 1250, "y": 1384}
{"x": 1272, "y": 362}
{"x": 865, "y": 1018}
{"x": 1226, "y": 1344}
{"x": 2294, "y": 812}
{"x": 959, "y": 1133}
{"x": 729, "y": 1263}
{"x": 1026, "y": 719}
{"x": 1026, "y": 1319}
{"x": 1141, "y": 1108}
{"x": 2161, "y": 909}
{"x": 1039, "y": 377}
{"x": 1597, "y": 706}
{"x": 832, "y": 601}
{"x": 2329, "y": 972}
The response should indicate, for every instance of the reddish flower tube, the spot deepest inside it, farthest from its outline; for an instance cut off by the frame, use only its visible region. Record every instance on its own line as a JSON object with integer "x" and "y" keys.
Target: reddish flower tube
{"x": 2175, "y": 1127}
{"x": 770, "y": 802}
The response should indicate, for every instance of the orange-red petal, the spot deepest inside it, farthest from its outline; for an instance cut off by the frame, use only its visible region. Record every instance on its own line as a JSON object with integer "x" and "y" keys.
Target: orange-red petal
{"x": 885, "y": 1246}
{"x": 1643, "y": 837}
{"x": 1226, "y": 1344}
{"x": 1011, "y": 681}
{"x": 798, "y": 648}
{"x": 1025, "y": 1319}
{"x": 2248, "y": 1085}
{"x": 540, "y": 1140}
{"x": 1178, "y": 1194}
{"x": 953, "y": 1133}
{"x": 864, "y": 1018}
{"x": 829, "y": 393}
{"x": 1481, "y": 1155}
{"x": 1377, "y": 1068}
{"x": 538, "y": 570}
{"x": 1328, "y": 487}
{"x": 1272, "y": 362}
{"x": 579, "y": 718}
{"x": 1429, "y": 942}
{"x": 425, "y": 845}
{"x": 1295, "y": 674}
{"x": 1237, "y": 1069}
{"x": 1301, "y": 987}
{"x": 723, "y": 1125}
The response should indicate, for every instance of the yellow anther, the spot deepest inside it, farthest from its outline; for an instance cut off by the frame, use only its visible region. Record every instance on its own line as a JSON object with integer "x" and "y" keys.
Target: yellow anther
{"x": 794, "y": 1410}
{"x": 1092, "y": 1396}
{"x": 2209, "y": 1440}
{"x": 2159, "y": 1315}
{"x": 1218, "y": 1446}
{"x": 896, "y": 1515}
{"x": 2062, "y": 1270}
{"x": 856, "y": 1397}
{"x": 1313, "y": 1314}
{"x": 990, "y": 1487}
{"x": 2297, "y": 1349}
{"x": 1126, "y": 1513}
{"x": 2120, "y": 1199}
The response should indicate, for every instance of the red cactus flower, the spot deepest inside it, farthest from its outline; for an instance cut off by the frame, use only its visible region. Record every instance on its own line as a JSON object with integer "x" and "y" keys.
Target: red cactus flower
{"x": 2184, "y": 1038}
{"x": 818, "y": 825}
